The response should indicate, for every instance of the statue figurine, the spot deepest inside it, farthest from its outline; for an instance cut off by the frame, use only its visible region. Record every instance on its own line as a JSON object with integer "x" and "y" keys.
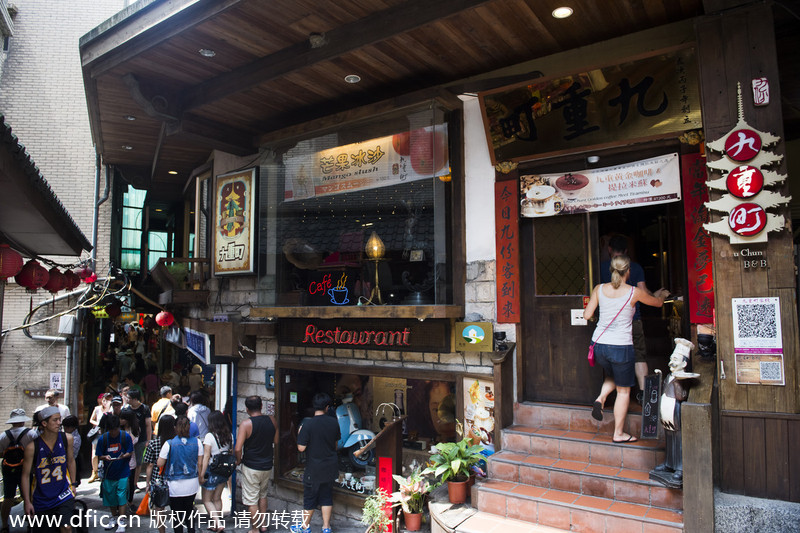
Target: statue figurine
{"x": 674, "y": 391}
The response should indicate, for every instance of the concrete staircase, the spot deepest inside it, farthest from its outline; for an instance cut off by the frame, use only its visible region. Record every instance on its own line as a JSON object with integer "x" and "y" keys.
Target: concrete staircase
{"x": 559, "y": 468}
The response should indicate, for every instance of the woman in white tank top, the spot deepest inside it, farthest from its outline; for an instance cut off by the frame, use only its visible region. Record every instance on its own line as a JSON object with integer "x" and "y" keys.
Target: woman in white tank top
{"x": 613, "y": 339}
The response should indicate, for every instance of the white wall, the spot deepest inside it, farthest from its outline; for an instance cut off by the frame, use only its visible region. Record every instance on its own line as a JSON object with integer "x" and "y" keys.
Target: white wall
{"x": 479, "y": 186}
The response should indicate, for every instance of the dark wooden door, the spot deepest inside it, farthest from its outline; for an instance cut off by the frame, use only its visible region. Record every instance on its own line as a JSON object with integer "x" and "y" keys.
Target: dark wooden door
{"x": 559, "y": 265}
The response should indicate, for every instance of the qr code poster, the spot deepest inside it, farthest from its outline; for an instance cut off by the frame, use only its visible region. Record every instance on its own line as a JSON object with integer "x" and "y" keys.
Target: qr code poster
{"x": 756, "y": 323}
{"x": 759, "y": 369}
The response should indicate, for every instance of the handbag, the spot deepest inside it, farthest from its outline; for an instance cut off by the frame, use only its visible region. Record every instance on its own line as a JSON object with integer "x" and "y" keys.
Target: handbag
{"x": 92, "y": 432}
{"x": 590, "y": 357}
{"x": 159, "y": 491}
{"x": 223, "y": 464}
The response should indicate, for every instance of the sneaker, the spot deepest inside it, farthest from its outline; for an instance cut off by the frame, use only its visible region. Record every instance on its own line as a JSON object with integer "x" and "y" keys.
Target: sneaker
{"x": 120, "y": 529}
{"x": 112, "y": 524}
{"x": 299, "y": 529}
{"x": 326, "y": 530}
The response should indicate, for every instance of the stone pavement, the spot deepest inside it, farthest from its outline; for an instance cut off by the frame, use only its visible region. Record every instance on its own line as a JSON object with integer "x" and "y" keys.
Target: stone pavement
{"x": 98, "y": 516}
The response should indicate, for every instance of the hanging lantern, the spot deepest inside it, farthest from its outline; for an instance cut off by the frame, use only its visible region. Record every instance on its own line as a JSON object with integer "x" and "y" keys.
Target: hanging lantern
{"x": 85, "y": 272}
{"x": 164, "y": 319}
{"x": 114, "y": 309}
{"x": 10, "y": 262}
{"x": 71, "y": 280}
{"x": 55, "y": 281}
{"x": 91, "y": 278}
{"x": 33, "y": 276}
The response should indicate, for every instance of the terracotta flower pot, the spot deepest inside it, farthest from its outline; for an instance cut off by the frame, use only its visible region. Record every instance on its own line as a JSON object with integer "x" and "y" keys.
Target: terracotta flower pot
{"x": 413, "y": 521}
{"x": 457, "y": 491}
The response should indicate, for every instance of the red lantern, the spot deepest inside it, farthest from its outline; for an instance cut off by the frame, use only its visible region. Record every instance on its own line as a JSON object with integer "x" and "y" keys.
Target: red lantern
{"x": 55, "y": 281}
{"x": 32, "y": 276}
{"x": 85, "y": 272}
{"x": 71, "y": 280}
{"x": 114, "y": 309}
{"x": 164, "y": 319}
{"x": 91, "y": 278}
{"x": 10, "y": 262}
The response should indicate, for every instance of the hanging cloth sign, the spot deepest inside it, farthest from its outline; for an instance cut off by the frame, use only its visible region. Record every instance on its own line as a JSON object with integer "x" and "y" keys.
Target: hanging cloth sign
{"x": 651, "y": 181}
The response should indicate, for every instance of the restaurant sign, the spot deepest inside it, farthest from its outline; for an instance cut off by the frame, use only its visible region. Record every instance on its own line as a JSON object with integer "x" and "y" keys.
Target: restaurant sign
{"x": 391, "y": 334}
{"x": 648, "y": 182}
{"x": 646, "y": 98}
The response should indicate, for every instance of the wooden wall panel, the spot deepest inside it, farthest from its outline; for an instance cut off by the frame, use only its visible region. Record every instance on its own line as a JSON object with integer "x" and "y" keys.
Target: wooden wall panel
{"x": 737, "y": 46}
{"x": 758, "y": 455}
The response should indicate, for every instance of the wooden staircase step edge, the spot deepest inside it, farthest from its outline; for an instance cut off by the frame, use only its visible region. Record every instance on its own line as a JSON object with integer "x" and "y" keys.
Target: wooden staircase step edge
{"x": 613, "y": 508}
{"x": 501, "y": 456}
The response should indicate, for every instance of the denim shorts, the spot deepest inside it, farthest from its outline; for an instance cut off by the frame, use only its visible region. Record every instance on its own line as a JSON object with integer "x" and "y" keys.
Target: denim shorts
{"x": 211, "y": 482}
{"x": 618, "y": 363}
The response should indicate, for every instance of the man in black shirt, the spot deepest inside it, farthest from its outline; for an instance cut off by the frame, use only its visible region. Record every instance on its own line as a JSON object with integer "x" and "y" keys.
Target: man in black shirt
{"x": 318, "y": 437}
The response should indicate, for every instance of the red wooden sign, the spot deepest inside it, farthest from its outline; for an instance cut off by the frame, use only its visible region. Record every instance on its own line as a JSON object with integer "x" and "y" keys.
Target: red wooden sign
{"x": 506, "y": 201}
{"x": 385, "y": 480}
{"x": 698, "y": 243}
{"x": 745, "y": 181}
{"x": 743, "y": 144}
{"x": 747, "y": 219}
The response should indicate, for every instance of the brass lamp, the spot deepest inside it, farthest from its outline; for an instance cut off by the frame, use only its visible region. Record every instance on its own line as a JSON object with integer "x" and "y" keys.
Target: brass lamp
{"x": 375, "y": 250}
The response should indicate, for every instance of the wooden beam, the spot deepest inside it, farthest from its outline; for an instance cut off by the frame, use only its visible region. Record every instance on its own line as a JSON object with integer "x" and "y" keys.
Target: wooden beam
{"x": 377, "y": 27}
{"x": 138, "y": 29}
{"x": 212, "y": 135}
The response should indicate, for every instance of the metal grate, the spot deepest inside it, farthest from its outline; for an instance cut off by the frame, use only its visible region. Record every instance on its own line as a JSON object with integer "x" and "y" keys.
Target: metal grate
{"x": 560, "y": 260}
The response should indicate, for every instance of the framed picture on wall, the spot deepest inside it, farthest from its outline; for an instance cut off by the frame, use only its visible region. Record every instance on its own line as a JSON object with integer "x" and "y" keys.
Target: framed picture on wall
{"x": 235, "y": 224}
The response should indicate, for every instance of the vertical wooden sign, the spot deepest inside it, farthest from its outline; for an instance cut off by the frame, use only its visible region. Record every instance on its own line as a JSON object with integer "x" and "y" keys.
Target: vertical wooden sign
{"x": 506, "y": 201}
{"x": 385, "y": 480}
{"x": 699, "y": 257}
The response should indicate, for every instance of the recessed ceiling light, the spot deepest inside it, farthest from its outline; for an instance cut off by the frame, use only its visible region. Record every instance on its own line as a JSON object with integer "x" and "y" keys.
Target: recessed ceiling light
{"x": 352, "y": 78}
{"x": 593, "y": 158}
{"x": 207, "y": 52}
{"x": 127, "y": 147}
{"x": 562, "y": 12}
{"x": 173, "y": 172}
{"x": 130, "y": 117}
{"x": 158, "y": 210}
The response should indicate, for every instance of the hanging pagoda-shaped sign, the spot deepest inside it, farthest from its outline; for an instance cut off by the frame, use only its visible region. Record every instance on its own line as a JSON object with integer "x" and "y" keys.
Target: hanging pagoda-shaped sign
{"x": 745, "y": 166}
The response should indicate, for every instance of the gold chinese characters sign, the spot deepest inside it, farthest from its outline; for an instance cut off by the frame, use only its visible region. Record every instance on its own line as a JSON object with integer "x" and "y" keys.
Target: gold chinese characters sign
{"x": 647, "y": 98}
{"x": 235, "y": 224}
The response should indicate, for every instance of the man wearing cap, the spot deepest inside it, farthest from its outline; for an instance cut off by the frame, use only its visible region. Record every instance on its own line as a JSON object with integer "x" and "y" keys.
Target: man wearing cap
{"x": 51, "y": 461}
{"x": 52, "y": 401}
{"x": 18, "y": 435}
{"x": 116, "y": 408}
{"x": 162, "y": 407}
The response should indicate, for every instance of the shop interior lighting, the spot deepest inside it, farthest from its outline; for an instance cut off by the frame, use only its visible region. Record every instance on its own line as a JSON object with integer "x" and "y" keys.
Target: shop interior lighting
{"x": 206, "y": 52}
{"x": 562, "y": 12}
{"x": 352, "y": 78}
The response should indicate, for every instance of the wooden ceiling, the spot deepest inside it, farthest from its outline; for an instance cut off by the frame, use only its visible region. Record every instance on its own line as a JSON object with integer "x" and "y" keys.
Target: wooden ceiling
{"x": 266, "y": 77}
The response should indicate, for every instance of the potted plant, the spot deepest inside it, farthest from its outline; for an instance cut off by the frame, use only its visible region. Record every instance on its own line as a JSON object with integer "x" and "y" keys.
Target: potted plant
{"x": 411, "y": 497}
{"x": 374, "y": 513}
{"x": 453, "y": 461}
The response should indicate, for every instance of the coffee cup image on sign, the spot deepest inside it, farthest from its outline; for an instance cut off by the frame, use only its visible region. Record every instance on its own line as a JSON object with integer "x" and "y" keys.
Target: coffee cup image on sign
{"x": 572, "y": 186}
{"x": 338, "y": 295}
{"x": 539, "y": 200}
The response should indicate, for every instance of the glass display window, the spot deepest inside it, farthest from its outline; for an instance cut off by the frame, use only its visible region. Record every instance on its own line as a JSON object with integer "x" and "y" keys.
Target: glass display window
{"x": 359, "y": 216}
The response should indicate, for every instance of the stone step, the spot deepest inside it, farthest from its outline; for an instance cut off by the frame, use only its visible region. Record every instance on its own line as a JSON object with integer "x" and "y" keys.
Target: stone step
{"x": 572, "y": 511}
{"x": 629, "y": 485}
{"x": 574, "y": 418}
{"x": 595, "y": 448}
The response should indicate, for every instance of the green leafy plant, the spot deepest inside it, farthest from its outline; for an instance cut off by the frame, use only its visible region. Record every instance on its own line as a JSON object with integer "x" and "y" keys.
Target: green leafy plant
{"x": 452, "y": 461}
{"x": 412, "y": 493}
{"x": 373, "y": 514}
{"x": 179, "y": 272}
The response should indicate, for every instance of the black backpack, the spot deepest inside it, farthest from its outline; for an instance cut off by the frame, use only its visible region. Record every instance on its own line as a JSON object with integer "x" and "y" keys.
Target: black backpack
{"x": 223, "y": 464}
{"x": 15, "y": 453}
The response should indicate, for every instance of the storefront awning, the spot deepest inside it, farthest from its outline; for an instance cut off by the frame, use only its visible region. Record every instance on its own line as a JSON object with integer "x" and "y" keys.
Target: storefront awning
{"x": 32, "y": 219}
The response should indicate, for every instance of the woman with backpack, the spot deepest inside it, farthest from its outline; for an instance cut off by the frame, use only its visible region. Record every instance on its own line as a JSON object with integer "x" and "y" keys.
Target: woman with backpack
{"x": 166, "y": 431}
{"x": 181, "y": 458}
{"x": 216, "y": 454}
